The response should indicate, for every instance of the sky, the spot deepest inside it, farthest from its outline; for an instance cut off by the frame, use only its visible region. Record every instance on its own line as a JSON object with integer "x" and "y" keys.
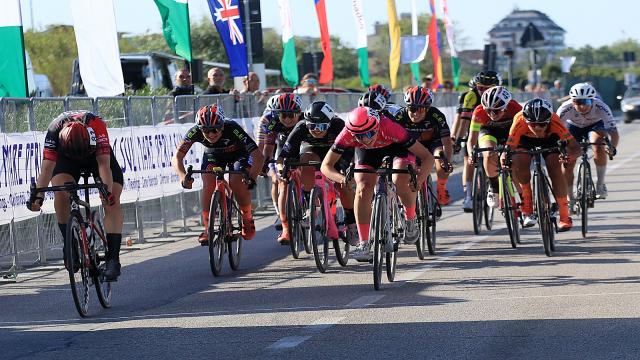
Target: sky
{"x": 590, "y": 22}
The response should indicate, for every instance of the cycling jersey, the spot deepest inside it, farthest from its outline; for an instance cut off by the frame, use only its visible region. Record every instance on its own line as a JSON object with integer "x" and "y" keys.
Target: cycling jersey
{"x": 301, "y": 134}
{"x": 389, "y": 132}
{"x": 391, "y": 110}
{"x": 467, "y": 102}
{"x": 521, "y": 136}
{"x": 481, "y": 120}
{"x": 599, "y": 112}
{"x": 432, "y": 128}
{"x": 234, "y": 140}
{"x": 271, "y": 130}
{"x": 94, "y": 123}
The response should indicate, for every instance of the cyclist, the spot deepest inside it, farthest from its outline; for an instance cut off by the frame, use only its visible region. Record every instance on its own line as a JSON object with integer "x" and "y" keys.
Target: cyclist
{"x": 428, "y": 125}
{"x": 310, "y": 140}
{"x": 490, "y": 124}
{"x": 76, "y": 142}
{"x": 373, "y": 137}
{"x": 377, "y": 97}
{"x": 275, "y": 127}
{"x": 468, "y": 101}
{"x": 226, "y": 145}
{"x": 586, "y": 113}
{"x": 538, "y": 125}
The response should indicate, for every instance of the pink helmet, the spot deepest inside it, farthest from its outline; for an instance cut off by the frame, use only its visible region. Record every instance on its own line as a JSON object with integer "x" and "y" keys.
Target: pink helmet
{"x": 362, "y": 119}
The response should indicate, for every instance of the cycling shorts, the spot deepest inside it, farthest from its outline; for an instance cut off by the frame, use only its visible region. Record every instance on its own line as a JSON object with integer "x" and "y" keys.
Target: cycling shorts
{"x": 580, "y": 134}
{"x": 65, "y": 165}
{"x": 233, "y": 161}
{"x": 497, "y": 136}
{"x": 372, "y": 158}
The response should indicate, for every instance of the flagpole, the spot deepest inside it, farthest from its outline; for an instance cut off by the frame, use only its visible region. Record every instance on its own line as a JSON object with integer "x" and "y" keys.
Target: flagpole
{"x": 189, "y": 32}
{"x": 247, "y": 34}
{"x": 24, "y": 58}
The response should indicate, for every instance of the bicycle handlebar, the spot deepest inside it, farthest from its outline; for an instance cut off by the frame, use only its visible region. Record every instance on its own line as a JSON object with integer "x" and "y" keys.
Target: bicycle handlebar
{"x": 71, "y": 187}
{"x": 385, "y": 170}
{"x": 218, "y": 171}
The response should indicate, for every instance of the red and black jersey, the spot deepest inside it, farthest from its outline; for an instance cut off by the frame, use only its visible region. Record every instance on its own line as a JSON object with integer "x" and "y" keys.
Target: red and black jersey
{"x": 95, "y": 124}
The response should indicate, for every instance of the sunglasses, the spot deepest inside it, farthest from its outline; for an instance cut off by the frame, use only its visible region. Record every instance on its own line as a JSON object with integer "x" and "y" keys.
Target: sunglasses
{"x": 583, "y": 101}
{"x": 415, "y": 108}
{"x": 317, "y": 126}
{"x": 213, "y": 130}
{"x": 366, "y": 135}
{"x": 285, "y": 115}
{"x": 494, "y": 111}
{"x": 537, "y": 125}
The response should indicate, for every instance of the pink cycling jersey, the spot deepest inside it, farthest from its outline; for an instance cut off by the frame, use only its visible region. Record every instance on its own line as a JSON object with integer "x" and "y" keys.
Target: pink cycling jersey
{"x": 389, "y": 133}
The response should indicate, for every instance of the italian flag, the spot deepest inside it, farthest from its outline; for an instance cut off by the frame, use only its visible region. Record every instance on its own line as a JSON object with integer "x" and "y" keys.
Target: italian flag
{"x": 361, "y": 46}
{"x": 13, "y": 74}
{"x": 288, "y": 64}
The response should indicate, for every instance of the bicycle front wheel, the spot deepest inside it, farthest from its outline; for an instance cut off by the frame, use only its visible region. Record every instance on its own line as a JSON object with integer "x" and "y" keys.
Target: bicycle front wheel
{"x": 434, "y": 214}
{"x": 295, "y": 243}
{"x": 479, "y": 193}
{"x": 544, "y": 217}
{"x": 103, "y": 288}
{"x": 318, "y": 229}
{"x": 76, "y": 254}
{"x": 584, "y": 175}
{"x": 234, "y": 239}
{"x": 509, "y": 210}
{"x": 422, "y": 212}
{"x": 379, "y": 232}
{"x": 217, "y": 231}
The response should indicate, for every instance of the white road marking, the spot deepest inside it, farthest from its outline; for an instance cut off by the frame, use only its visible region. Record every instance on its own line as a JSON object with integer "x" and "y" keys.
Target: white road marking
{"x": 364, "y": 301}
{"x": 288, "y": 342}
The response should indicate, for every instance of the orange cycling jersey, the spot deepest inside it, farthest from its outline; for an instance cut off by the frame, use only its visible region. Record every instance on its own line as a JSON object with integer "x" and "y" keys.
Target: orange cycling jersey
{"x": 520, "y": 129}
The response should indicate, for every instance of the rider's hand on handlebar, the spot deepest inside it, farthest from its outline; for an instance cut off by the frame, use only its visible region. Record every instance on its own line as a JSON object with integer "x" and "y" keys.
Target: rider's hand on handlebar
{"x": 35, "y": 201}
{"x": 187, "y": 183}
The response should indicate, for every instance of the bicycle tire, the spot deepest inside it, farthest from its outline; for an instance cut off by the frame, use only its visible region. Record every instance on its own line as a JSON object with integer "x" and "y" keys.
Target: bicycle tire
{"x": 583, "y": 173}
{"x": 80, "y": 285}
{"x": 378, "y": 229}
{"x": 217, "y": 230}
{"x": 235, "y": 240}
{"x": 318, "y": 229}
{"x": 478, "y": 195}
{"x": 292, "y": 218}
{"x": 433, "y": 217}
{"x": 422, "y": 213}
{"x": 509, "y": 211}
{"x": 544, "y": 220}
{"x": 489, "y": 212}
{"x": 391, "y": 256}
{"x": 341, "y": 245}
{"x": 103, "y": 288}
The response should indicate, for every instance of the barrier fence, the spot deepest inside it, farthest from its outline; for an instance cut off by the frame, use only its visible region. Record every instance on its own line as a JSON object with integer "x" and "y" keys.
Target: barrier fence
{"x": 144, "y": 132}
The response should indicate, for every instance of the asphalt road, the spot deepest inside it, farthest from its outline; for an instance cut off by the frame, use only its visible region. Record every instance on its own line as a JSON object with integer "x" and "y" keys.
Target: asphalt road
{"x": 477, "y": 298}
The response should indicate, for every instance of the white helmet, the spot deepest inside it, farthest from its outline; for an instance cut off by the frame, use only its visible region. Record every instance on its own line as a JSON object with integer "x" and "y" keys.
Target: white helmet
{"x": 582, "y": 91}
{"x": 496, "y": 98}
{"x": 272, "y": 103}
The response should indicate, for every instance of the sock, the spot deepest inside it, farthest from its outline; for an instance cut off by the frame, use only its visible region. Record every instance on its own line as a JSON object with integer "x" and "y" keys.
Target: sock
{"x": 245, "y": 210}
{"x": 601, "y": 170}
{"x": 63, "y": 230}
{"x": 410, "y": 212}
{"x": 349, "y": 216}
{"x": 114, "y": 241}
{"x": 563, "y": 207}
{"x": 275, "y": 207}
{"x": 363, "y": 232}
{"x": 493, "y": 183}
{"x": 442, "y": 184}
{"x": 468, "y": 189}
{"x": 205, "y": 219}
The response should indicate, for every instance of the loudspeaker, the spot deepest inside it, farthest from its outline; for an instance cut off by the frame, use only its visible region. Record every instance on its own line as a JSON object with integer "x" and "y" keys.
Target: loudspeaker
{"x": 311, "y": 63}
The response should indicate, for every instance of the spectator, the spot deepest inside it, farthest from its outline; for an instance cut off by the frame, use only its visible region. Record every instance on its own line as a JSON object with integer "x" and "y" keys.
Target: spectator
{"x": 557, "y": 93}
{"x": 183, "y": 83}
{"x": 216, "y": 82}
{"x": 308, "y": 85}
{"x": 252, "y": 86}
{"x": 427, "y": 82}
{"x": 448, "y": 86}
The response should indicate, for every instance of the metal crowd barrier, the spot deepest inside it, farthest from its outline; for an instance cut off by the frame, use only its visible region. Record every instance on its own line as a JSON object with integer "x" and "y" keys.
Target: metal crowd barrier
{"x": 31, "y": 242}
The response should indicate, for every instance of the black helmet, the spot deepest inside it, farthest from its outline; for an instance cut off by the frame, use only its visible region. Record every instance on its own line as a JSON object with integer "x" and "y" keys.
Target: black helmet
{"x": 319, "y": 112}
{"x": 537, "y": 111}
{"x": 487, "y": 78}
{"x": 373, "y": 99}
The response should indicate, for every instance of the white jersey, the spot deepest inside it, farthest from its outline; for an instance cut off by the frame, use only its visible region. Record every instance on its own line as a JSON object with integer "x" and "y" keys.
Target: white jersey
{"x": 599, "y": 111}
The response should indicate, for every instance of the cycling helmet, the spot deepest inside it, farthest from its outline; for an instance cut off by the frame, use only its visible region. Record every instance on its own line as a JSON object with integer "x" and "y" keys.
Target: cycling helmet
{"x": 418, "y": 96}
{"x": 496, "y": 98}
{"x": 362, "y": 119}
{"x": 537, "y": 111}
{"x": 487, "y": 78}
{"x": 319, "y": 112}
{"x": 288, "y": 103}
{"x": 77, "y": 140}
{"x": 373, "y": 100}
{"x": 381, "y": 89}
{"x": 210, "y": 117}
{"x": 582, "y": 91}
{"x": 271, "y": 103}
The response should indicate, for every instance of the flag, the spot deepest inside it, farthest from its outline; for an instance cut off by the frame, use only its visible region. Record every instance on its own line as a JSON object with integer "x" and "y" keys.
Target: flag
{"x": 435, "y": 47}
{"x": 361, "y": 45}
{"x": 94, "y": 24}
{"x": 228, "y": 20}
{"x": 448, "y": 28}
{"x": 326, "y": 69}
{"x": 415, "y": 65}
{"x": 288, "y": 63}
{"x": 13, "y": 73}
{"x": 413, "y": 50}
{"x": 394, "y": 39}
{"x": 175, "y": 26}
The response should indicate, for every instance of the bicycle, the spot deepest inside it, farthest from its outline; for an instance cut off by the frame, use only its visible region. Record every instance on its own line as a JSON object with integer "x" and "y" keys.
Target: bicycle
{"x": 479, "y": 193}
{"x": 545, "y": 207}
{"x": 225, "y": 219}
{"x": 585, "y": 188}
{"x": 428, "y": 211}
{"x": 323, "y": 220}
{"x": 85, "y": 244}
{"x": 296, "y": 208}
{"x": 387, "y": 221}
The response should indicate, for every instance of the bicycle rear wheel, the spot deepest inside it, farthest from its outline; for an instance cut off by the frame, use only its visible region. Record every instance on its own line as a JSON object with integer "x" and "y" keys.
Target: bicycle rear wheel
{"x": 583, "y": 189}
{"x": 234, "y": 240}
{"x": 217, "y": 231}
{"x": 341, "y": 246}
{"x": 422, "y": 213}
{"x": 294, "y": 217}
{"x": 434, "y": 214}
{"x": 379, "y": 231}
{"x": 318, "y": 229}
{"x": 76, "y": 265}
{"x": 103, "y": 288}
{"x": 479, "y": 193}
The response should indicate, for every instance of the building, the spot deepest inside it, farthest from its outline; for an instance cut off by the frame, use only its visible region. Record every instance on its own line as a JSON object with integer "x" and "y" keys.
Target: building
{"x": 507, "y": 34}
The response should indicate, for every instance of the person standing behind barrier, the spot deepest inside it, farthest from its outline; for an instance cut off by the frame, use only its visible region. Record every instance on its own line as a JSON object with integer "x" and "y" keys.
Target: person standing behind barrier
{"x": 216, "y": 82}
{"x": 226, "y": 145}
{"x": 183, "y": 83}
{"x": 77, "y": 142}
{"x": 308, "y": 85}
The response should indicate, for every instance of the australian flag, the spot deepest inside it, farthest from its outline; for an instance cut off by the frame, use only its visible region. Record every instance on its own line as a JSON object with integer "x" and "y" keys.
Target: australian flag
{"x": 227, "y": 18}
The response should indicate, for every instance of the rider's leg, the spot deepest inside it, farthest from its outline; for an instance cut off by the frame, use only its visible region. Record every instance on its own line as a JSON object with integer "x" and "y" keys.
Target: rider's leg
{"x": 443, "y": 178}
{"x": 208, "y": 183}
{"x": 406, "y": 194}
{"x": 559, "y": 185}
{"x": 522, "y": 174}
{"x": 600, "y": 156}
{"x": 365, "y": 184}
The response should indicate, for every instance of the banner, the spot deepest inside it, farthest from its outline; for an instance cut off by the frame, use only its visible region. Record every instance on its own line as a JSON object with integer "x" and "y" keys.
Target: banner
{"x": 326, "y": 68}
{"x": 394, "y": 39}
{"x": 175, "y": 26}
{"x": 413, "y": 50}
{"x": 6, "y": 205}
{"x": 289, "y": 63}
{"x": 434, "y": 45}
{"x": 94, "y": 24}
{"x": 415, "y": 66}
{"x": 361, "y": 45}
{"x": 228, "y": 20}
{"x": 20, "y": 167}
{"x": 13, "y": 76}
{"x": 448, "y": 27}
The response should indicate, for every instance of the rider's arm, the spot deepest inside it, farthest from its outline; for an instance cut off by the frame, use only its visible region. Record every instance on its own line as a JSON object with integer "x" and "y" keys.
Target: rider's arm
{"x": 104, "y": 169}
{"x": 328, "y": 167}
{"x": 445, "y": 133}
{"x": 46, "y": 173}
{"x": 258, "y": 162}
{"x": 609, "y": 122}
{"x": 426, "y": 160}
{"x": 177, "y": 161}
